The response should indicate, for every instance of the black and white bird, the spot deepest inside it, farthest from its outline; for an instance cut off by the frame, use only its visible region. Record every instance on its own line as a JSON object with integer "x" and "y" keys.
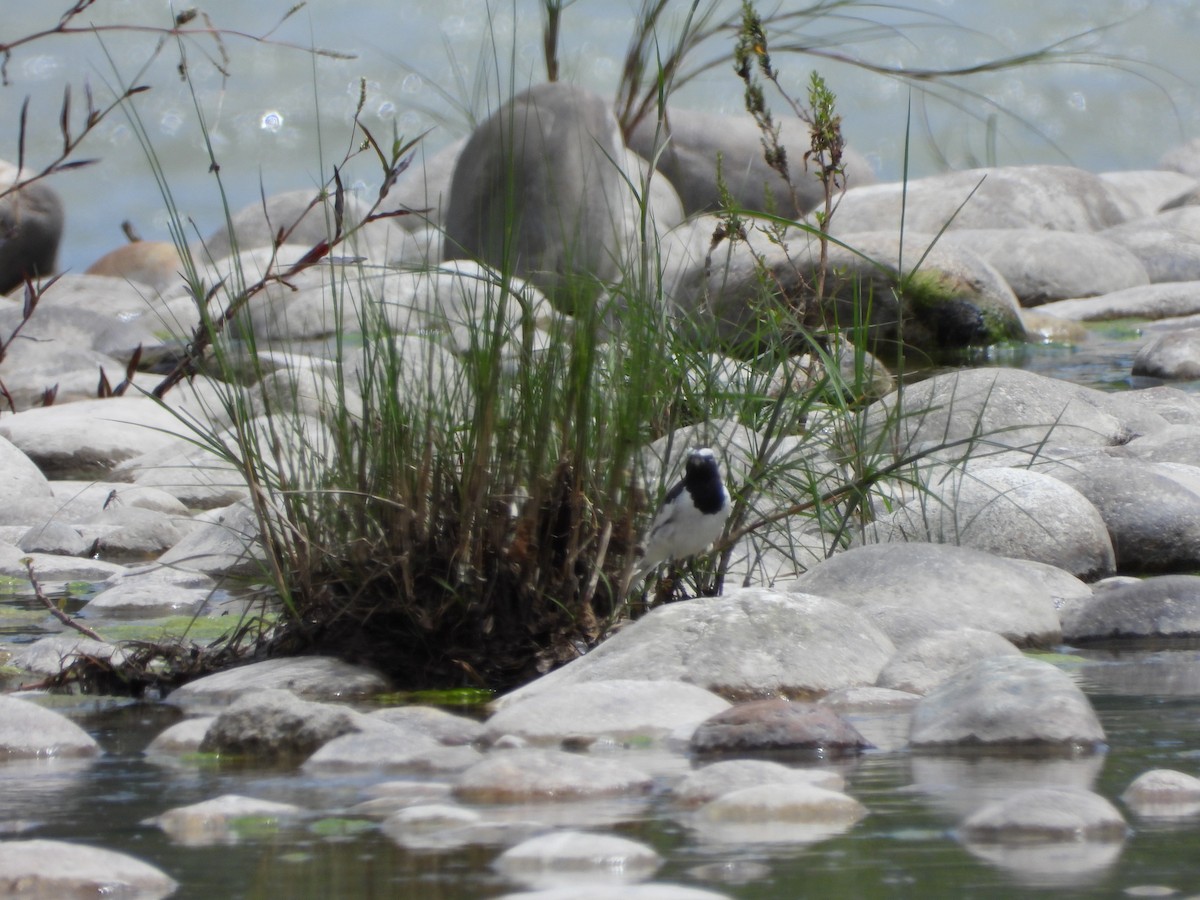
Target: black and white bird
{"x": 692, "y": 514}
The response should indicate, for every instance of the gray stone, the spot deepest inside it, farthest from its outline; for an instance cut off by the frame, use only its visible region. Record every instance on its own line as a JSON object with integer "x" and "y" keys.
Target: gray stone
{"x": 54, "y": 537}
{"x": 1166, "y": 254}
{"x": 1152, "y": 301}
{"x": 20, "y": 478}
{"x": 921, "y": 665}
{"x": 620, "y": 709}
{"x": 424, "y": 186}
{"x": 574, "y": 856}
{"x": 310, "y": 677}
{"x": 541, "y": 182}
{"x": 1172, "y": 356}
{"x": 1164, "y": 607}
{"x": 131, "y": 533}
{"x": 1018, "y": 513}
{"x": 747, "y": 644}
{"x": 79, "y": 500}
{"x": 29, "y": 730}
{"x": 778, "y": 725}
{"x": 1172, "y": 444}
{"x": 914, "y": 589}
{"x": 1047, "y": 815}
{"x": 91, "y": 435}
{"x": 31, "y": 221}
{"x": 380, "y": 746}
{"x": 525, "y": 776}
{"x": 777, "y": 813}
{"x": 1007, "y": 702}
{"x": 215, "y": 821}
{"x": 276, "y": 724}
{"x": 180, "y": 738}
{"x": 44, "y": 868}
{"x": 728, "y": 775}
{"x": 1163, "y": 793}
{"x": 223, "y": 541}
{"x": 50, "y": 568}
{"x": 1149, "y": 189}
{"x": 1152, "y": 510}
{"x": 444, "y": 727}
{"x": 686, "y": 152}
{"x": 1041, "y": 266}
{"x": 195, "y": 476}
{"x": 1056, "y": 198}
{"x": 653, "y": 891}
{"x": 1183, "y": 158}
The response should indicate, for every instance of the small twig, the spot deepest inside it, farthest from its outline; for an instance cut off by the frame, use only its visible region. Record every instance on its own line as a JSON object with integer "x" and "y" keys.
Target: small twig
{"x": 54, "y": 610}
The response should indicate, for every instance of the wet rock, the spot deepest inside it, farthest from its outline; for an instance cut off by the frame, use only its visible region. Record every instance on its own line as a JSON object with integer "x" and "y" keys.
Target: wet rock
{"x": 52, "y": 654}
{"x": 653, "y": 891}
{"x": 1018, "y": 513}
{"x": 51, "y": 569}
{"x": 380, "y": 746}
{"x": 748, "y": 643}
{"x": 389, "y": 797}
{"x": 1172, "y": 356}
{"x": 527, "y": 776}
{"x": 921, "y": 665}
{"x": 43, "y": 868}
{"x": 1163, "y": 793}
{"x": 429, "y": 826}
{"x": 91, "y": 435}
{"x": 556, "y": 148}
{"x": 29, "y": 730}
{"x": 1162, "y": 607}
{"x": 56, "y": 538}
{"x": 1008, "y": 702}
{"x": 1042, "y": 266}
{"x": 1149, "y": 189}
{"x": 620, "y": 709}
{"x": 1153, "y": 301}
{"x": 31, "y": 221}
{"x": 775, "y": 813}
{"x": 575, "y": 856}
{"x": 444, "y": 727}
{"x": 913, "y": 589}
{"x": 276, "y": 724}
{"x": 130, "y": 533}
{"x": 217, "y": 821}
{"x": 180, "y": 738}
{"x": 975, "y": 411}
{"x": 778, "y": 726}
{"x": 726, "y": 776}
{"x": 686, "y": 153}
{"x": 1047, "y": 815}
{"x": 870, "y": 700}
{"x": 1151, "y": 510}
{"x": 1055, "y": 198}
{"x": 309, "y": 677}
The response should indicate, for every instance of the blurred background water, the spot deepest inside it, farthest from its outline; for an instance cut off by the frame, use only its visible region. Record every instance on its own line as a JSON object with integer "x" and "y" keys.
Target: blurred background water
{"x": 1123, "y": 92}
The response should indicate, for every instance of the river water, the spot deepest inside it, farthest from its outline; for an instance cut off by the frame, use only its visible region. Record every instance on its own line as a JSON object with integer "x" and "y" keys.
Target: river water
{"x": 1123, "y": 91}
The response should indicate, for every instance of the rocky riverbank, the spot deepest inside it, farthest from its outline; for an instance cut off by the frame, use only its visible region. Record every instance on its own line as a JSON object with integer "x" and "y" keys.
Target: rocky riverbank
{"x": 1036, "y": 512}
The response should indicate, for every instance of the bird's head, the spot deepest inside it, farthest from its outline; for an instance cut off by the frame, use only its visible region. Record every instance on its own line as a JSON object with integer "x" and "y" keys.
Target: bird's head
{"x": 701, "y": 463}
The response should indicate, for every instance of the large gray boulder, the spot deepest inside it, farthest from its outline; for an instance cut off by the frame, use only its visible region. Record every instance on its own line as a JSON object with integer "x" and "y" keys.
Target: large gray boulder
{"x": 44, "y": 868}
{"x": 310, "y": 677}
{"x": 1150, "y": 301}
{"x": 29, "y": 730}
{"x": 276, "y": 724}
{"x": 527, "y": 776}
{"x": 1171, "y": 356}
{"x": 747, "y": 644}
{"x": 31, "y": 224}
{"x": 686, "y": 152}
{"x": 921, "y": 665}
{"x": 910, "y": 590}
{"x": 1164, "y": 607}
{"x": 1008, "y": 702}
{"x": 540, "y": 190}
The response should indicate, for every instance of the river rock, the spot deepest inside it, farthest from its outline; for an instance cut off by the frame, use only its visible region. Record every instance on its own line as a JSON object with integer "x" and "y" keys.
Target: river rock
{"x": 1166, "y": 254}
{"x": 1171, "y": 444}
{"x": 54, "y": 537}
{"x": 686, "y": 151}
{"x": 778, "y": 726}
{"x": 51, "y": 569}
{"x": 1018, "y": 513}
{"x": 444, "y": 727}
{"x": 528, "y": 776}
{"x": 29, "y": 730}
{"x": 223, "y": 541}
{"x": 1172, "y": 356}
{"x": 1152, "y": 510}
{"x": 621, "y": 710}
{"x": 155, "y": 264}
{"x": 435, "y": 826}
{"x": 1041, "y": 266}
{"x": 276, "y": 724}
{"x": 44, "y": 868}
{"x": 92, "y": 436}
{"x": 1047, "y": 815}
{"x": 575, "y": 856}
{"x": 652, "y": 891}
{"x": 216, "y": 821}
{"x": 195, "y": 476}
{"x": 424, "y": 187}
{"x": 750, "y": 643}
{"x": 1163, "y": 793}
{"x": 973, "y": 412}
{"x": 922, "y": 664}
{"x": 130, "y": 533}
{"x": 542, "y": 184}
{"x": 31, "y": 221}
{"x": 1056, "y": 198}
{"x": 1152, "y": 301}
{"x": 728, "y": 775}
{"x": 79, "y": 500}
{"x": 381, "y": 746}
{"x": 1007, "y": 702}
{"x": 1163, "y": 607}
{"x": 913, "y": 589}
{"x": 777, "y": 813}
{"x": 181, "y": 738}
{"x": 1149, "y": 189}
{"x": 20, "y": 478}
{"x": 309, "y": 677}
